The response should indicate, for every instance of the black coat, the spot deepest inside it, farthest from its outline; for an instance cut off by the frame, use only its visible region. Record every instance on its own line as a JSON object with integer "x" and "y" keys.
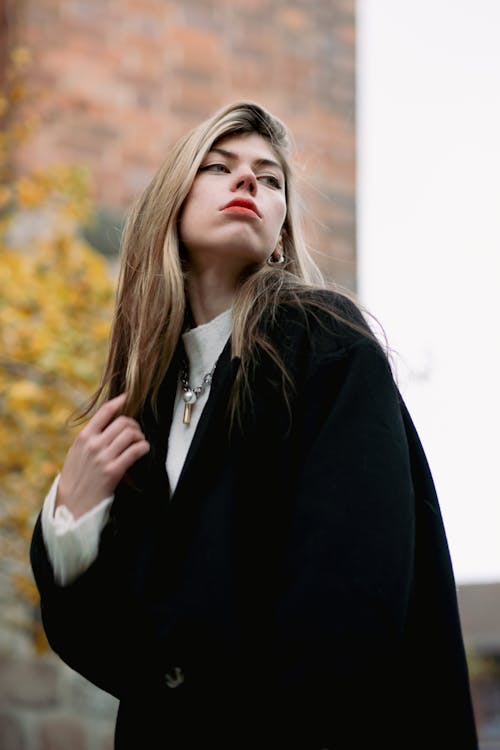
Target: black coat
{"x": 296, "y": 589}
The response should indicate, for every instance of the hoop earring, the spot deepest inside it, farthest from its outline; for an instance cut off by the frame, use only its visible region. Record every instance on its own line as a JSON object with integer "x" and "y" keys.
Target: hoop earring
{"x": 278, "y": 249}
{"x": 271, "y": 262}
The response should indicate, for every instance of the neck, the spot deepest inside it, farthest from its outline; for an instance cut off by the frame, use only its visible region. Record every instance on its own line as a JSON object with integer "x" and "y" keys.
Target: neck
{"x": 208, "y": 296}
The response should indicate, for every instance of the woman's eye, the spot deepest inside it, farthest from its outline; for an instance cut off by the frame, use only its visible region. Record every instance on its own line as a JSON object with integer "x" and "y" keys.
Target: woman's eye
{"x": 271, "y": 180}
{"x": 216, "y": 167}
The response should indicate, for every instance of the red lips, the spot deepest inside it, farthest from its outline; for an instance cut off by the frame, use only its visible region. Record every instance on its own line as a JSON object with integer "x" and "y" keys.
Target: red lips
{"x": 242, "y": 203}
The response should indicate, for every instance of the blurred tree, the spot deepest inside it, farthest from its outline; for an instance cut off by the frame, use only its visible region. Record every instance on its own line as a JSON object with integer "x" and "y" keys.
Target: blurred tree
{"x": 103, "y": 231}
{"x": 56, "y": 296}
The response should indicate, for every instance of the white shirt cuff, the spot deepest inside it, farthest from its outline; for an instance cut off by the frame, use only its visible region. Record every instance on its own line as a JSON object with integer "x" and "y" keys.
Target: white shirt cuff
{"x": 72, "y": 545}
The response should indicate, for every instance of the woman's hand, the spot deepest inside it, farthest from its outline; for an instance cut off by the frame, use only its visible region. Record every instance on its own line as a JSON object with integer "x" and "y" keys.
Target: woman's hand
{"x": 101, "y": 454}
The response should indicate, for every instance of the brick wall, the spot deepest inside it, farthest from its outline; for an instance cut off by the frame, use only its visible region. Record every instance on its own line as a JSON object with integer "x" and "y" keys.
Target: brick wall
{"x": 119, "y": 80}
{"x": 44, "y": 705}
{"x": 4, "y": 39}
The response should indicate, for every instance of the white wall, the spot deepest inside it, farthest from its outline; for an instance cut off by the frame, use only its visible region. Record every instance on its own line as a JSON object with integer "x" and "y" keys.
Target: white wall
{"x": 428, "y": 115}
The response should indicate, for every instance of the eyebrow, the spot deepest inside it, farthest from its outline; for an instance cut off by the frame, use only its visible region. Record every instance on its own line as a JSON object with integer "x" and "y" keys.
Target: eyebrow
{"x": 257, "y": 162}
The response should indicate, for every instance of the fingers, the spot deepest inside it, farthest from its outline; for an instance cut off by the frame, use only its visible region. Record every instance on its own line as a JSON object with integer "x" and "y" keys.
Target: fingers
{"x": 121, "y": 434}
{"x": 99, "y": 457}
{"x": 126, "y": 458}
{"x": 117, "y": 427}
{"x": 105, "y": 414}
{"x": 113, "y": 443}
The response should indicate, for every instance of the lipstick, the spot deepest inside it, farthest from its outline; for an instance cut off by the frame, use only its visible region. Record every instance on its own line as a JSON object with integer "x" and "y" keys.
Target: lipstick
{"x": 242, "y": 206}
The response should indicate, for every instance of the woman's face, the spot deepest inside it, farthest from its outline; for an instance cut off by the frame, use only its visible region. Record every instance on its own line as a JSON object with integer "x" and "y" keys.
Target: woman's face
{"x": 236, "y": 206}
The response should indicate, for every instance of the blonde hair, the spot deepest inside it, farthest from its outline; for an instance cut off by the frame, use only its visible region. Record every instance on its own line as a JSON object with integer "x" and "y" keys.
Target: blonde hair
{"x": 151, "y": 301}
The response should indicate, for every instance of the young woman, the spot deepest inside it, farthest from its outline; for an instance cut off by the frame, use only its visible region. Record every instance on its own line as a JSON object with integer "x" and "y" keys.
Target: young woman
{"x": 244, "y": 544}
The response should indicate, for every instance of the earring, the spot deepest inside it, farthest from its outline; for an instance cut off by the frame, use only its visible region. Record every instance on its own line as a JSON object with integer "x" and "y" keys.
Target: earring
{"x": 272, "y": 261}
{"x": 278, "y": 262}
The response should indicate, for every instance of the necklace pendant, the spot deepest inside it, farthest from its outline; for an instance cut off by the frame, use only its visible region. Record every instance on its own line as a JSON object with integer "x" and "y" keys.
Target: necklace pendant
{"x": 188, "y": 408}
{"x": 189, "y": 399}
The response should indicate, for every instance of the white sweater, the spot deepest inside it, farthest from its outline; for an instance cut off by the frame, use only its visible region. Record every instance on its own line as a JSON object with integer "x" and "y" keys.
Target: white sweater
{"x": 72, "y": 545}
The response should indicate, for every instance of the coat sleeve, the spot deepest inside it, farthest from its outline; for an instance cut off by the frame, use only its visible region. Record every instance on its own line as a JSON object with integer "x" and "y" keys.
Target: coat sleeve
{"x": 80, "y": 620}
{"x": 344, "y": 588}
{"x": 362, "y": 639}
{"x": 349, "y": 563}
{"x": 90, "y": 623}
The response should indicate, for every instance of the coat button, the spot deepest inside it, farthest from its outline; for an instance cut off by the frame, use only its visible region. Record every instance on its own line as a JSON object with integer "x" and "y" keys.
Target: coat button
{"x": 174, "y": 677}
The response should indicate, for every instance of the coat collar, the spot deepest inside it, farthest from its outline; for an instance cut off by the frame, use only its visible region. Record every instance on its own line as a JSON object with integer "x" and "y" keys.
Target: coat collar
{"x": 209, "y": 431}
{"x": 206, "y": 443}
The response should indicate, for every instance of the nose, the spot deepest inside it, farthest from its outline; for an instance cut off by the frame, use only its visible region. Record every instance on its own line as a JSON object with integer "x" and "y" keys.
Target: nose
{"x": 245, "y": 181}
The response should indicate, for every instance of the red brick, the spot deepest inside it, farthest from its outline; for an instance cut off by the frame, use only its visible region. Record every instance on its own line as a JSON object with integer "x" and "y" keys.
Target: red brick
{"x": 62, "y": 734}
{"x": 145, "y": 70}
{"x": 27, "y": 682}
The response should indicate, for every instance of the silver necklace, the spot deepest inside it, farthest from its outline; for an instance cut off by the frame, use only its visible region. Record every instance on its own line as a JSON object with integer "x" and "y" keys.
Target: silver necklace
{"x": 191, "y": 394}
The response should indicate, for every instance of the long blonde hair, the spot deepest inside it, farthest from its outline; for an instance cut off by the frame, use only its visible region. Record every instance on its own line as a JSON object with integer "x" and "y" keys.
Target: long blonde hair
{"x": 151, "y": 300}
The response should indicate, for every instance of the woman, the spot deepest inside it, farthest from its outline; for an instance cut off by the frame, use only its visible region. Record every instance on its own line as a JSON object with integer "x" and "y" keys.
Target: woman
{"x": 244, "y": 544}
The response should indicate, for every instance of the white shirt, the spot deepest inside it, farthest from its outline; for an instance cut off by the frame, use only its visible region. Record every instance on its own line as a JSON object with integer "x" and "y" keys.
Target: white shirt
{"x": 72, "y": 544}
{"x": 203, "y": 346}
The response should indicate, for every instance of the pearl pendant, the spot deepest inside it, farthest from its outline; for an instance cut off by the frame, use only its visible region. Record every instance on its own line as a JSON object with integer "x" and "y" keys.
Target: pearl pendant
{"x": 189, "y": 396}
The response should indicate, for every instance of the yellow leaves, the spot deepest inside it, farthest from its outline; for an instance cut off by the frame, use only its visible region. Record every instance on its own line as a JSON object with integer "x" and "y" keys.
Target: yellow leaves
{"x": 20, "y": 57}
{"x": 26, "y": 588}
{"x": 55, "y": 311}
{"x": 22, "y": 394}
{"x": 28, "y": 193}
{"x": 17, "y": 92}
{"x": 56, "y": 299}
{"x": 100, "y": 330}
{"x": 65, "y": 188}
{"x": 14, "y": 96}
{"x": 5, "y": 196}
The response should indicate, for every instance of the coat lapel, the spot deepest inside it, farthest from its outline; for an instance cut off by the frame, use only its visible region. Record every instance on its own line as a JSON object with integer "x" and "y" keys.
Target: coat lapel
{"x": 149, "y": 476}
{"x": 210, "y": 435}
